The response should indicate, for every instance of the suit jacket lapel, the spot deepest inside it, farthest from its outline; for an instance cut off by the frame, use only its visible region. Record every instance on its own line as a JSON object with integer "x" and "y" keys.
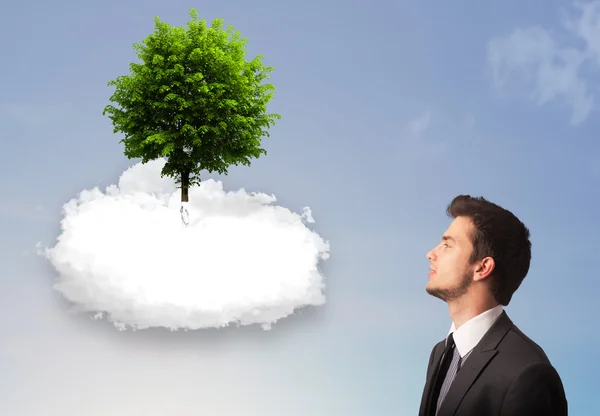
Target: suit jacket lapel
{"x": 482, "y": 354}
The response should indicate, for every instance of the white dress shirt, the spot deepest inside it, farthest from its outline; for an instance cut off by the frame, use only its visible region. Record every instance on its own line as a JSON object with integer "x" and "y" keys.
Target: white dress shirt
{"x": 468, "y": 335}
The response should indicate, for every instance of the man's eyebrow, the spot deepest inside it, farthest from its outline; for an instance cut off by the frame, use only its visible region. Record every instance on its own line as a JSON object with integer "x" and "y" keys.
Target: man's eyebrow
{"x": 448, "y": 238}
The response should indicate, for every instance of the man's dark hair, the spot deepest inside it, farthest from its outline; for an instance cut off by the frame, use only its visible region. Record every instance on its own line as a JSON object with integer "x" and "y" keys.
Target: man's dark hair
{"x": 498, "y": 234}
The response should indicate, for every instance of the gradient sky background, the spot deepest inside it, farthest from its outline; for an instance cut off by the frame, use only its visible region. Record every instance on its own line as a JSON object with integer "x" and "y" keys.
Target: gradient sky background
{"x": 390, "y": 109}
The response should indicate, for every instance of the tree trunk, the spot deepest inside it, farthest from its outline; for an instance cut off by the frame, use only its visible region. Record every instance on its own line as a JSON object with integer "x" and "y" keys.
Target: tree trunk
{"x": 185, "y": 183}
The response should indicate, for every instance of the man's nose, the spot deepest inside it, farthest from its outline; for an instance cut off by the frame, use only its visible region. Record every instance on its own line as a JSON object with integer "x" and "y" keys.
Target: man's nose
{"x": 431, "y": 254}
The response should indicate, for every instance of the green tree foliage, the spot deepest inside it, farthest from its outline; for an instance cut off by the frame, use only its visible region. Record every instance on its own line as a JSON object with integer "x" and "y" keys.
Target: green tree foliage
{"x": 194, "y": 100}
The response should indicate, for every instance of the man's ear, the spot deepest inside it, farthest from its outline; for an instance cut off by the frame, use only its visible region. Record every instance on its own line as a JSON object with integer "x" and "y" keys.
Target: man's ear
{"x": 484, "y": 268}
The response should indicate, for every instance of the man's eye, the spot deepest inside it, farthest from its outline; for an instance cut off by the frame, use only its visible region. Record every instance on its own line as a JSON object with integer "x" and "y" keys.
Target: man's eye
{"x": 446, "y": 245}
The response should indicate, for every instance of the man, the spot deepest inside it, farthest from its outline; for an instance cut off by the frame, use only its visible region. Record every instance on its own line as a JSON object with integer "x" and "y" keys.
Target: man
{"x": 486, "y": 366}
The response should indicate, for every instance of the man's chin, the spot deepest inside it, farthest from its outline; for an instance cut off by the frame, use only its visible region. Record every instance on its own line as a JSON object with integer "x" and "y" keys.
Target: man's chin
{"x": 435, "y": 291}
{"x": 447, "y": 293}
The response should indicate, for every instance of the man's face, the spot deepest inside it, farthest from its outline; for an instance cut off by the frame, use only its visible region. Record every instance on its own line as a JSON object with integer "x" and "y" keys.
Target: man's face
{"x": 451, "y": 274}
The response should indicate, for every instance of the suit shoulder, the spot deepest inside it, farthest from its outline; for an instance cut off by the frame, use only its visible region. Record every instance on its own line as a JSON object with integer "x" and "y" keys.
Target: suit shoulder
{"x": 536, "y": 390}
{"x": 522, "y": 349}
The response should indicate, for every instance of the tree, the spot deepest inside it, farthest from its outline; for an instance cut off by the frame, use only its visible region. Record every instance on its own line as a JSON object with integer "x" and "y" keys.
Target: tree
{"x": 194, "y": 100}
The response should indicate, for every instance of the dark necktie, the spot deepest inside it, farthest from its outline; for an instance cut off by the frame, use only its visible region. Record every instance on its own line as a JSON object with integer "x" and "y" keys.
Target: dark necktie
{"x": 440, "y": 376}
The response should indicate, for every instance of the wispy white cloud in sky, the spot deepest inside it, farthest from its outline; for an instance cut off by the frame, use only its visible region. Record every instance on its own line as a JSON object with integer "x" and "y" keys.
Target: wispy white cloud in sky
{"x": 419, "y": 125}
{"x": 419, "y": 141}
{"x": 554, "y": 69}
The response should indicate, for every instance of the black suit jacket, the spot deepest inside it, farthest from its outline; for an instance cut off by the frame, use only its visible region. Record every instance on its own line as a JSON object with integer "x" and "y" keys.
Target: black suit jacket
{"x": 506, "y": 374}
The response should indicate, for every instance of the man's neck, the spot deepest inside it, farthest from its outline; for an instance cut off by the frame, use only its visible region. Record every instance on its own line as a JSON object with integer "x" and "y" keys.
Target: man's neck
{"x": 462, "y": 310}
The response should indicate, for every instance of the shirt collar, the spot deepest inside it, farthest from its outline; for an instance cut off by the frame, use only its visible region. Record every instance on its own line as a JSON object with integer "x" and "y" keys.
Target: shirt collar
{"x": 470, "y": 333}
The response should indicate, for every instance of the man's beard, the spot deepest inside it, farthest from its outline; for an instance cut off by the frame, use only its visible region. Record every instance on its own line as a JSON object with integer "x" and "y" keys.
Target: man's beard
{"x": 452, "y": 293}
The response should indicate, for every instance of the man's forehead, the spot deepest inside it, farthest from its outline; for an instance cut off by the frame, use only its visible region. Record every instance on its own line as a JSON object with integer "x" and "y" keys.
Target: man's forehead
{"x": 459, "y": 229}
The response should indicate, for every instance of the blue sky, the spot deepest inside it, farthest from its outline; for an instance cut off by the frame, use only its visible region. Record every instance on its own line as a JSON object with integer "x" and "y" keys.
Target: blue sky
{"x": 389, "y": 111}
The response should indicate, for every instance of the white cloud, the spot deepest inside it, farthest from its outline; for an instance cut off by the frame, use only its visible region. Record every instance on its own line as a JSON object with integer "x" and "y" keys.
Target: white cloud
{"x": 125, "y": 254}
{"x": 418, "y": 142}
{"x": 418, "y": 126}
{"x": 554, "y": 69}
